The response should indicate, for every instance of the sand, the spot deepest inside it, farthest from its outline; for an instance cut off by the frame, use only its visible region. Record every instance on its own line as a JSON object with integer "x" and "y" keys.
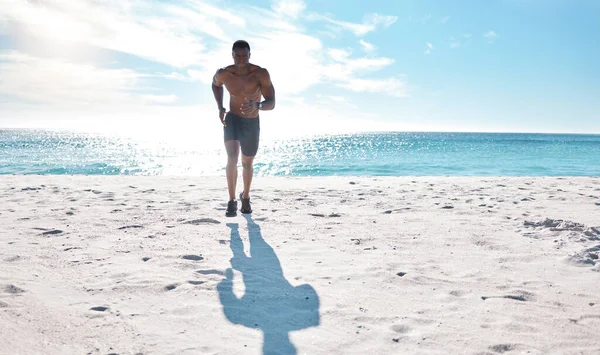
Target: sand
{"x": 324, "y": 265}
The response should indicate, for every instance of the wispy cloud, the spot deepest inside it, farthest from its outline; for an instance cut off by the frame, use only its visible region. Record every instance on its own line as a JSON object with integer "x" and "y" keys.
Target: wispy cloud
{"x": 392, "y": 86}
{"x": 367, "y": 47}
{"x": 180, "y": 41}
{"x": 429, "y": 48}
{"x": 346, "y": 72}
{"x": 291, "y": 8}
{"x": 454, "y": 43}
{"x": 490, "y": 35}
{"x": 340, "y": 99}
{"x": 164, "y": 36}
{"x": 445, "y": 19}
{"x": 370, "y": 23}
{"x": 57, "y": 82}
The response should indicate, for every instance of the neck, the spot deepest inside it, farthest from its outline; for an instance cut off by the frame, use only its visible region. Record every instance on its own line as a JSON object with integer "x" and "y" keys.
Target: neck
{"x": 243, "y": 68}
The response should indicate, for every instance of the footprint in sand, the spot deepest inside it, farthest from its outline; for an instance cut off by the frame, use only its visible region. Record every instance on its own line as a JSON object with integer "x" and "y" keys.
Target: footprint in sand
{"x": 31, "y": 189}
{"x": 502, "y": 348}
{"x": 192, "y": 282}
{"x": 170, "y": 287}
{"x": 585, "y": 317}
{"x": 521, "y": 296}
{"x": 587, "y": 257}
{"x": 457, "y": 293}
{"x": 99, "y": 309}
{"x": 132, "y": 226}
{"x": 211, "y": 272}
{"x": 400, "y": 328}
{"x": 52, "y": 232}
{"x": 12, "y": 289}
{"x": 202, "y": 221}
{"x": 192, "y": 257}
{"x": 332, "y": 215}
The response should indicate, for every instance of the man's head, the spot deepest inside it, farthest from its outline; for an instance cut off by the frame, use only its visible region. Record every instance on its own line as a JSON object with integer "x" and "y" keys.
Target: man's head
{"x": 240, "y": 53}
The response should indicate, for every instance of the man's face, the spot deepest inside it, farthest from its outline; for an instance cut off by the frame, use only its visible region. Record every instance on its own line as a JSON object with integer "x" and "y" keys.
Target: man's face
{"x": 241, "y": 57}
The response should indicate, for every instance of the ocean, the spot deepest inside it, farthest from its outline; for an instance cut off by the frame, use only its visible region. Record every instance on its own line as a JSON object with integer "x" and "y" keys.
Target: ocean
{"x": 366, "y": 154}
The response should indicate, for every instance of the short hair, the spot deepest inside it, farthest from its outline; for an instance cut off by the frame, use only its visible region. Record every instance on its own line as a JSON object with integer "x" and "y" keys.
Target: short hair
{"x": 240, "y": 44}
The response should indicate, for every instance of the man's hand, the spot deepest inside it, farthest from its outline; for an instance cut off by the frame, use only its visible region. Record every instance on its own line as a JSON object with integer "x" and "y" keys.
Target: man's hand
{"x": 222, "y": 116}
{"x": 249, "y": 107}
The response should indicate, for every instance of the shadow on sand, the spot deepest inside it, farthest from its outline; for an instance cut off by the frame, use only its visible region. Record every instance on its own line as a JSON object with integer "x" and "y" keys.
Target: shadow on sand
{"x": 270, "y": 303}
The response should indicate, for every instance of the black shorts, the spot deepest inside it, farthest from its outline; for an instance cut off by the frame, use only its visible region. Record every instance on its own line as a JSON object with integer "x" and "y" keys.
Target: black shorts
{"x": 245, "y": 130}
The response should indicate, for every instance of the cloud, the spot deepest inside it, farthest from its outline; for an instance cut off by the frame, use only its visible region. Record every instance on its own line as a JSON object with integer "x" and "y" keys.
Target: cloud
{"x": 344, "y": 69}
{"x": 490, "y": 35}
{"x": 454, "y": 43}
{"x": 340, "y": 99}
{"x": 134, "y": 44}
{"x": 391, "y": 86}
{"x": 429, "y": 48}
{"x": 445, "y": 19}
{"x": 370, "y": 23}
{"x": 291, "y": 8}
{"x": 270, "y": 49}
{"x": 367, "y": 47}
{"x": 55, "y": 82}
{"x": 163, "y": 37}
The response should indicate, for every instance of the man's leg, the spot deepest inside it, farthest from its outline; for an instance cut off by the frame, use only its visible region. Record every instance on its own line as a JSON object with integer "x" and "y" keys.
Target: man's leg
{"x": 233, "y": 151}
{"x": 247, "y": 165}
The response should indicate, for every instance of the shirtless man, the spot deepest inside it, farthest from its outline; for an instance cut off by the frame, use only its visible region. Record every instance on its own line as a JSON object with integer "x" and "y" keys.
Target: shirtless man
{"x": 245, "y": 83}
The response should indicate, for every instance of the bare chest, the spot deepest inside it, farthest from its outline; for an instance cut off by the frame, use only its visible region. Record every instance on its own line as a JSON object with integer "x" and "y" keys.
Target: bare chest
{"x": 242, "y": 85}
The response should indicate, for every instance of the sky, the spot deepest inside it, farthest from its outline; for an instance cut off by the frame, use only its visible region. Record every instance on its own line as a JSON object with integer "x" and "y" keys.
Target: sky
{"x": 337, "y": 65}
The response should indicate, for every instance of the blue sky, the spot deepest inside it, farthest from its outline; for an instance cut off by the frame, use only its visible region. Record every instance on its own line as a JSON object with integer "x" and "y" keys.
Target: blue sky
{"x": 337, "y": 66}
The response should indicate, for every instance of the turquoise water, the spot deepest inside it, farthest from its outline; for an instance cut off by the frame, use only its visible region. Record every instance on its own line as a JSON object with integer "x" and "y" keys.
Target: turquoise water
{"x": 369, "y": 154}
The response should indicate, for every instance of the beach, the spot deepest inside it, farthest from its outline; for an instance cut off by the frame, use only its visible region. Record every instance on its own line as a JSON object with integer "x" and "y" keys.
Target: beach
{"x": 324, "y": 265}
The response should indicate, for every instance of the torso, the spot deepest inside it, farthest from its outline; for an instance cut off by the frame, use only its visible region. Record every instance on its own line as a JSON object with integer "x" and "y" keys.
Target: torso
{"x": 242, "y": 88}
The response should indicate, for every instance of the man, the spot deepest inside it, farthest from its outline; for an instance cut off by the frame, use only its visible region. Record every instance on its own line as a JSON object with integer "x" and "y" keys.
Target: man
{"x": 245, "y": 83}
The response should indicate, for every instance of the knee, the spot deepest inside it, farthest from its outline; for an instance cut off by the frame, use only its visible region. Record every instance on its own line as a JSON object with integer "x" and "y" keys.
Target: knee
{"x": 232, "y": 159}
{"x": 247, "y": 163}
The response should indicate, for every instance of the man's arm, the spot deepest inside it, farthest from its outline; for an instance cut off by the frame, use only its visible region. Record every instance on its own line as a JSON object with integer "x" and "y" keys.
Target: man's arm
{"x": 217, "y": 88}
{"x": 267, "y": 91}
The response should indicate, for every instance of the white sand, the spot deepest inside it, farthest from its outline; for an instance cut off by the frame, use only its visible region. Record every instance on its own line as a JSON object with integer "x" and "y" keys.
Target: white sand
{"x": 489, "y": 265}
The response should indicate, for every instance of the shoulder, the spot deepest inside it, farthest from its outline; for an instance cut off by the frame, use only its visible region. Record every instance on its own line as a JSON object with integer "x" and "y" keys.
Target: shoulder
{"x": 224, "y": 70}
{"x": 260, "y": 71}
